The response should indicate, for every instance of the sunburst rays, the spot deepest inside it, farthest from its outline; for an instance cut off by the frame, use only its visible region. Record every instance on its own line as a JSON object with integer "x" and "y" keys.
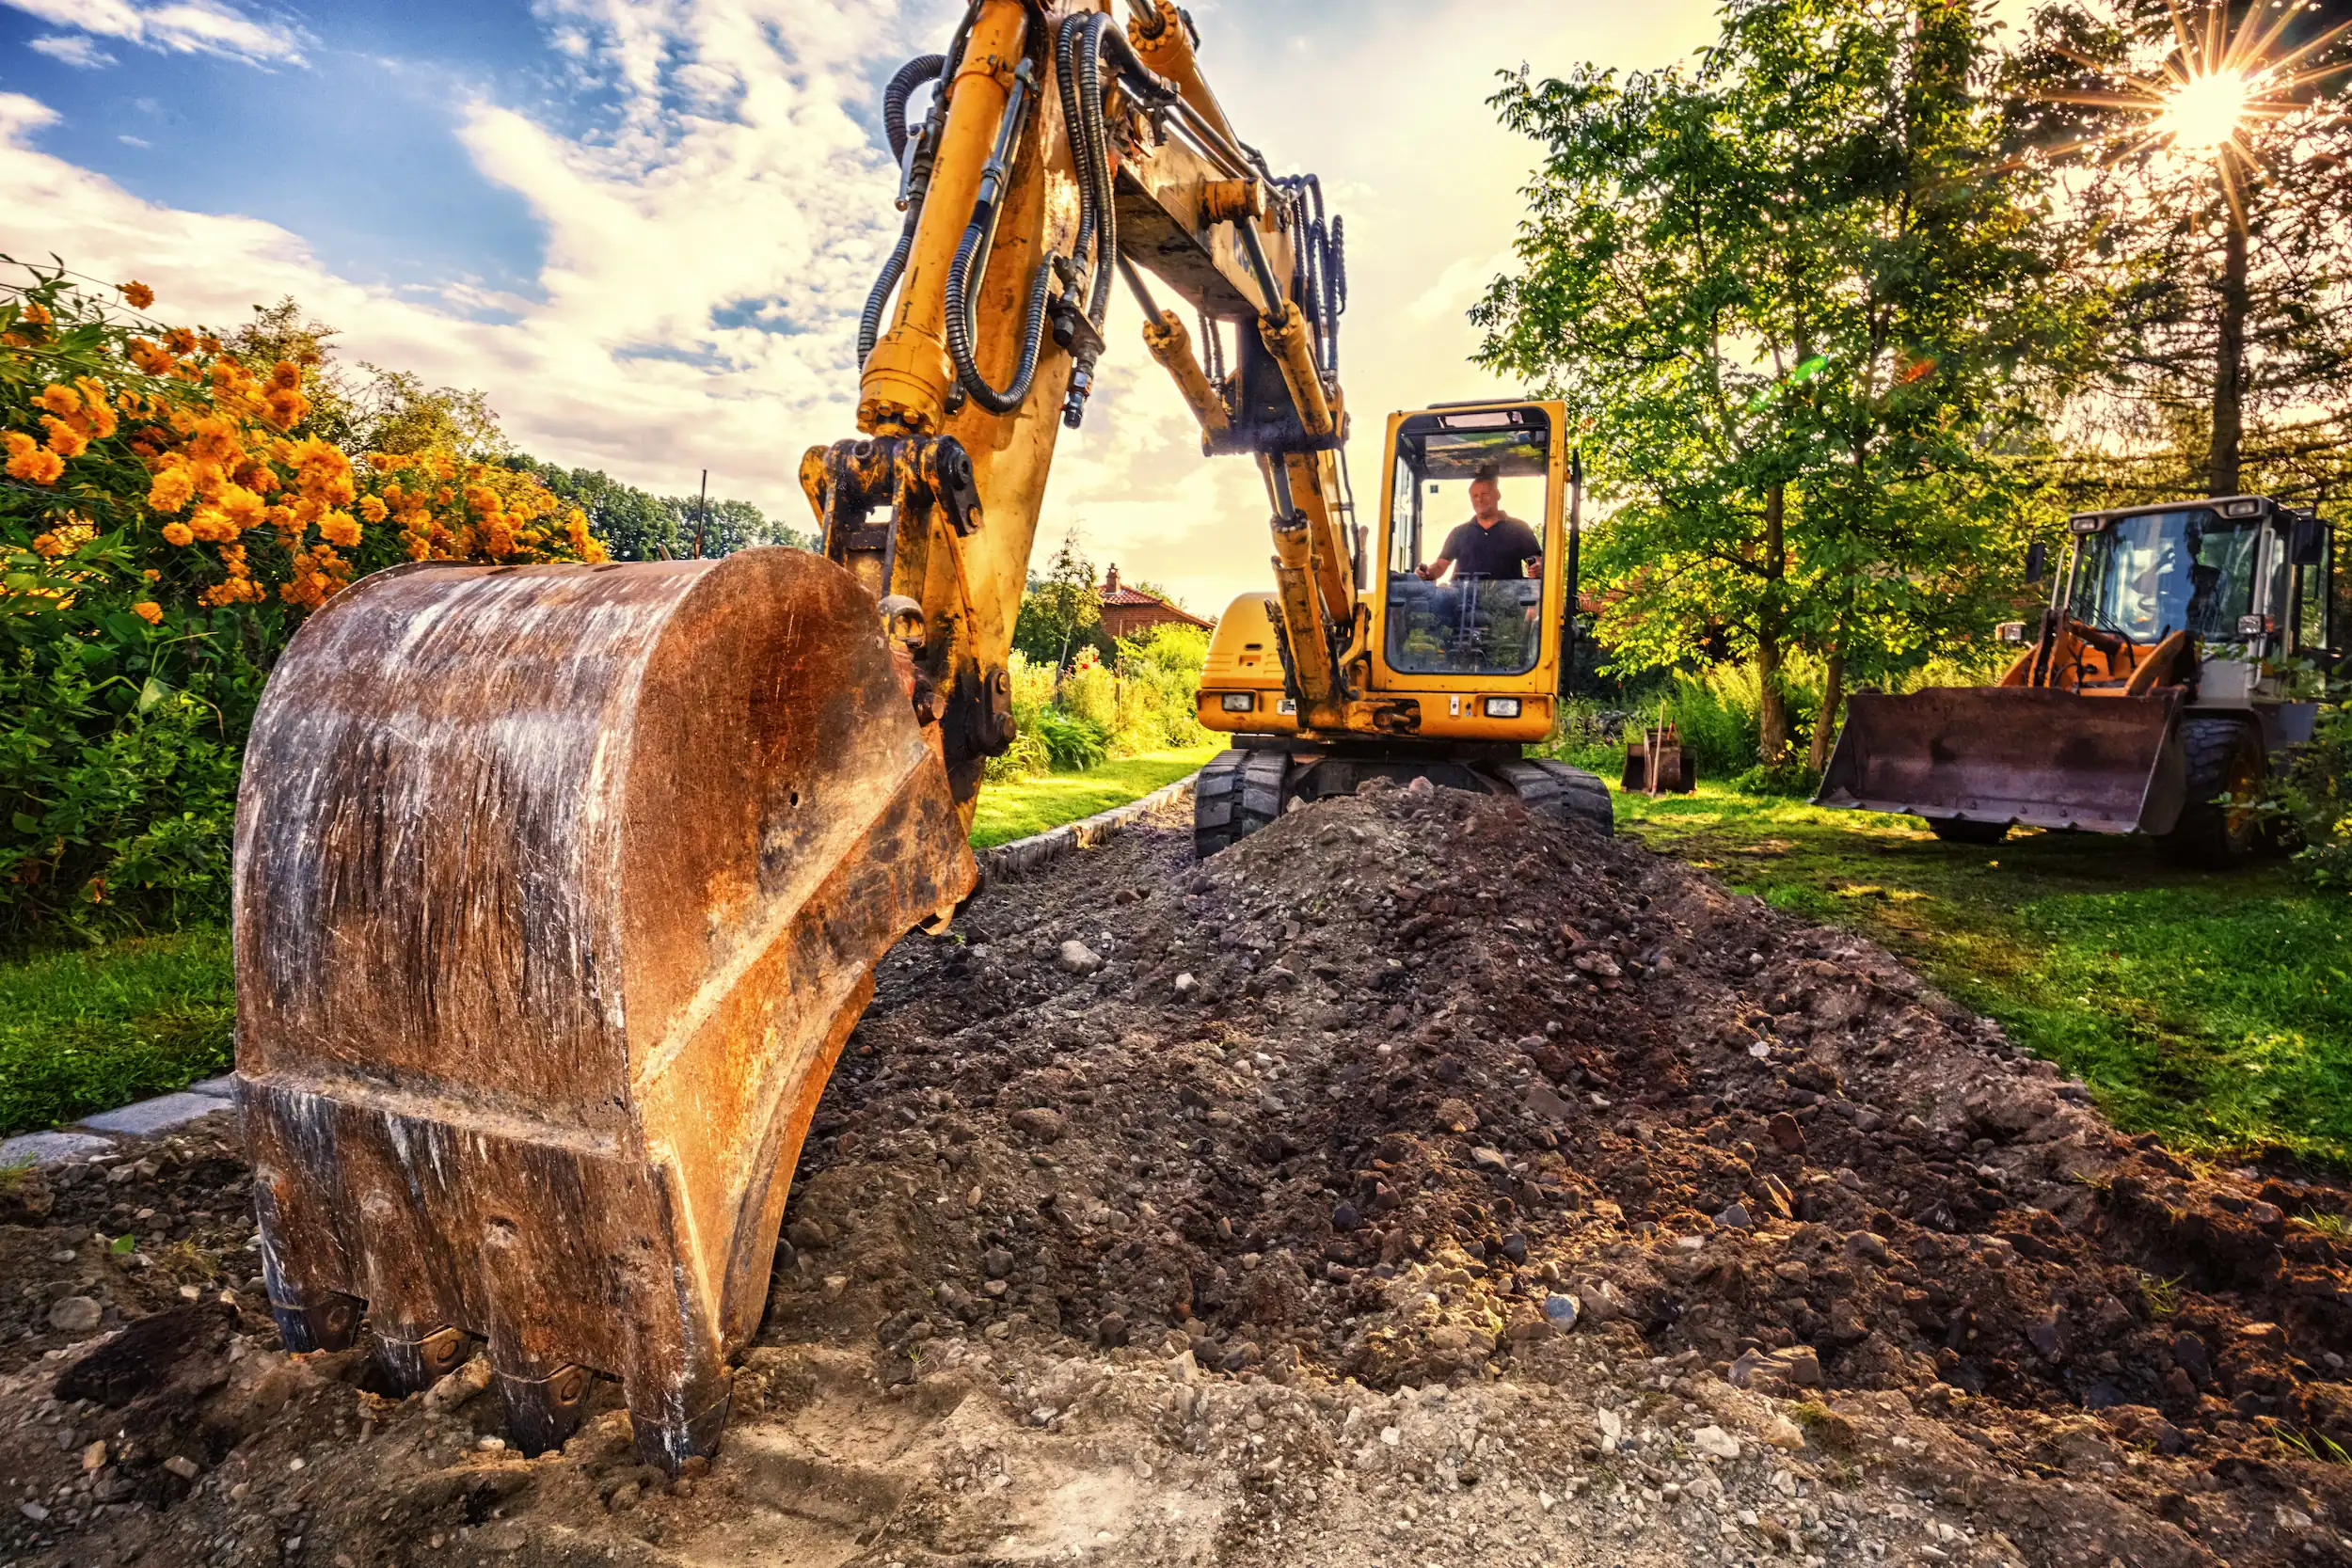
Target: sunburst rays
{"x": 2215, "y": 92}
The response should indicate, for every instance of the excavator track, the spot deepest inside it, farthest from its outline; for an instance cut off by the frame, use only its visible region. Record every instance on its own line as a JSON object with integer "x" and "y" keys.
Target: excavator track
{"x": 1247, "y": 788}
{"x": 559, "y": 889}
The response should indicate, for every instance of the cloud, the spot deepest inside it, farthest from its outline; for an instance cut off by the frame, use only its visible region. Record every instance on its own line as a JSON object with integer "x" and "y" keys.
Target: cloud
{"x": 170, "y": 27}
{"x": 74, "y": 50}
{"x": 709, "y": 240}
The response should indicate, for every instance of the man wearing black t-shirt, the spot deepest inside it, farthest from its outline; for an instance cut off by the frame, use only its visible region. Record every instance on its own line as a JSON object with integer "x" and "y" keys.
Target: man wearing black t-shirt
{"x": 1490, "y": 545}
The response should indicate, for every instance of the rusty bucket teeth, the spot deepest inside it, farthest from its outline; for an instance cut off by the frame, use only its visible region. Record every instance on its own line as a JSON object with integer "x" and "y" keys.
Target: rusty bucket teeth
{"x": 414, "y": 1360}
{"x": 542, "y": 1412}
{"x": 558, "y": 891}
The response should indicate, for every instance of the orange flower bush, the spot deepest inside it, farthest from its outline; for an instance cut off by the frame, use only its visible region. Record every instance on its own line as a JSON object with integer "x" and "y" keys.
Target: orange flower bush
{"x": 165, "y": 520}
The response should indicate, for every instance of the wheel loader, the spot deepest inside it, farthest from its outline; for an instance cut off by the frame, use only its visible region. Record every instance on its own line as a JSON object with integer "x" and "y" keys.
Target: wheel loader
{"x": 559, "y": 889}
{"x": 2152, "y": 697}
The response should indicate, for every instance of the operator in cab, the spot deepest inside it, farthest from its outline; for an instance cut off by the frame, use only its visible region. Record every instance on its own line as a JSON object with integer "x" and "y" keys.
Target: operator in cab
{"x": 1492, "y": 544}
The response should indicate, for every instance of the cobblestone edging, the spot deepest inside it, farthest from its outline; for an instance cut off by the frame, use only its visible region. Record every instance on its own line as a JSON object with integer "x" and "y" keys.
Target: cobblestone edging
{"x": 100, "y": 1134}
{"x": 1024, "y": 856}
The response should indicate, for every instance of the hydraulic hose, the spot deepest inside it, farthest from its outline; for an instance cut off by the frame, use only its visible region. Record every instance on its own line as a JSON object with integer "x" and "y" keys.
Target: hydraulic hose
{"x": 971, "y": 257}
{"x": 914, "y": 75}
{"x": 924, "y": 68}
{"x": 877, "y": 302}
{"x": 1097, "y": 131}
{"x": 1066, "y": 80}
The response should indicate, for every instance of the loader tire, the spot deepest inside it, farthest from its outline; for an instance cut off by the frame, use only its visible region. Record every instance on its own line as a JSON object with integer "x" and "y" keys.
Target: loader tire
{"x": 1954, "y": 830}
{"x": 1238, "y": 793}
{"x": 1569, "y": 794}
{"x": 2221, "y": 826}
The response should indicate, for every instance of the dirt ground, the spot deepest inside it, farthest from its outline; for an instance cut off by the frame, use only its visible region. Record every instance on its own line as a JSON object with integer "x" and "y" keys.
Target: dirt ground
{"x": 1418, "y": 1183}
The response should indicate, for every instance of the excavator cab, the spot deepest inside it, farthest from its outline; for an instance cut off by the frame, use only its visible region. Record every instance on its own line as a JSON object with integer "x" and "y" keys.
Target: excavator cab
{"x": 1455, "y": 665}
{"x": 2152, "y": 697}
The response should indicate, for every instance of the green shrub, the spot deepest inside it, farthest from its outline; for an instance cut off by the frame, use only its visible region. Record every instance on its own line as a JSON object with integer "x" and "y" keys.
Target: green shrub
{"x": 1074, "y": 744}
{"x": 2314, "y": 798}
{"x": 1791, "y": 778}
{"x": 1091, "y": 691}
{"x": 1586, "y": 735}
{"x": 116, "y": 801}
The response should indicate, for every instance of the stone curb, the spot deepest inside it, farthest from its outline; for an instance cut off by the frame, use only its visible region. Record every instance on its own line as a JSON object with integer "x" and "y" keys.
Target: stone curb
{"x": 1024, "y": 856}
{"x": 98, "y": 1134}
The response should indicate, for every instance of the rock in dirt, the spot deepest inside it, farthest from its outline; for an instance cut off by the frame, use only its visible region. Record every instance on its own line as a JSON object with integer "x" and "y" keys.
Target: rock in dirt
{"x": 75, "y": 1315}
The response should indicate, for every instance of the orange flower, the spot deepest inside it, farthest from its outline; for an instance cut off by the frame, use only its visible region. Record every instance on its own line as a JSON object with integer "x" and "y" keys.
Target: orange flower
{"x": 180, "y": 340}
{"x": 150, "y": 357}
{"x": 149, "y": 611}
{"x": 339, "y": 528}
{"x": 373, "y": 508}
{"x": 172, "y": 489}
{"x": 28, "y": 461}
{"x": 59, "y": 399}
{"x": 137, "y": 295}
{"x": 64, "y": 439}
{"x": 178, "y": 533}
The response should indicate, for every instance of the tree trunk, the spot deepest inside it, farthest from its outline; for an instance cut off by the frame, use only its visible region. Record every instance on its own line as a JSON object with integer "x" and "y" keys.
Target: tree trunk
{"x": 1773, "y": 707}
{"x": 1833, "y": 697}
{"x": 2229, "y": 372}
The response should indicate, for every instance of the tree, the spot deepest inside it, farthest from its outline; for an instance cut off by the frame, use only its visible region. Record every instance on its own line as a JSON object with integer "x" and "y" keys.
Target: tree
{"x": 2213, "y": 155}
{"x": 1798, "y": 309}
{"x": 1061, "y": 612}
{"x": 729, "y": 526}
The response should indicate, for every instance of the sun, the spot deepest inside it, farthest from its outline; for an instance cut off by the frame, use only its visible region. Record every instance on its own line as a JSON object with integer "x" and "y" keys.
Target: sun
{"x": 2204, "y": 113}
{"x": 2212, "y": 94}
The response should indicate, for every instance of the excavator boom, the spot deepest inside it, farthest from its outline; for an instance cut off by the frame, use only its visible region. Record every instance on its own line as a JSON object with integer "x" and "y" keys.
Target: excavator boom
{"x": 559, "y": 889}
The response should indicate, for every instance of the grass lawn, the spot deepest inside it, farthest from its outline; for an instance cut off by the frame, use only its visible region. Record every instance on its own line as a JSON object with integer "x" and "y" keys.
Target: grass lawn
{"x": 2213, "y": 1009}
{"x": 1010, "y": 811}
{"x": 88, "y": 1030}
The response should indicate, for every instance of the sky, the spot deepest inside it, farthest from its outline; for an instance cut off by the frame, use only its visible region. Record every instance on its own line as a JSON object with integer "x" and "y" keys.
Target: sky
{"x": 644, "y": 227}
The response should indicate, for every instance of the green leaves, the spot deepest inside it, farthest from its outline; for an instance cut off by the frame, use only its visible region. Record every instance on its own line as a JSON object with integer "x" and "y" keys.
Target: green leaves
{"x": 1800, "y": 305}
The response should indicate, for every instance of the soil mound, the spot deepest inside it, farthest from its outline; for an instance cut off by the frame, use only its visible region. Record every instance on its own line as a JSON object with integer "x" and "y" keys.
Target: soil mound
{"x": 1419, "y": 1181}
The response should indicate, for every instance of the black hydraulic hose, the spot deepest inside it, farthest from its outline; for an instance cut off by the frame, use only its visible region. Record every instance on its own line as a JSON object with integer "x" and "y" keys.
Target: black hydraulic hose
{"x": 959, "y": 343}
{"x": 1066, "y": 80}
{"x": 971, "y": 256}
{"x": 924, "y": 68}
{"x": 1097, "y": 131}
{"x": 1150, "y": 85}
{"x": 869, "y": 321}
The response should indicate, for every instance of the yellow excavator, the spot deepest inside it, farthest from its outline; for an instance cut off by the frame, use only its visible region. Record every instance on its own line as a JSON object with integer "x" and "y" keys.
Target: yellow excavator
{"x": 560, "y": 888}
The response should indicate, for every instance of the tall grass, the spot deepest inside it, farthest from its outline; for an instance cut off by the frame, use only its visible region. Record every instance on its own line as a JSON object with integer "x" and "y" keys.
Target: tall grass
{"x": 1719, "y": 712}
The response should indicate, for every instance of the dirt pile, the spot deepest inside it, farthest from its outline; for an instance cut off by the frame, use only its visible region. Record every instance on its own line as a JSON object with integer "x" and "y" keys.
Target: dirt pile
{"x": 1419, "y": 1181}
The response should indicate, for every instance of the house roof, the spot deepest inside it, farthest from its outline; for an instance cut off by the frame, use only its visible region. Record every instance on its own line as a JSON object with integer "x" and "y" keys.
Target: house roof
{"x": 1116, "y": 596}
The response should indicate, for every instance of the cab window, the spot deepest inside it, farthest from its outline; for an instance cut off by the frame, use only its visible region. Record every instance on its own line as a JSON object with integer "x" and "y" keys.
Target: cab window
{"x": 1484, "y": 616}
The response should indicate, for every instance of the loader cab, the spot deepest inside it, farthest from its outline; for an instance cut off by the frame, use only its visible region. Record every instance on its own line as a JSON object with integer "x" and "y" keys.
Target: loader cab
{"x": 1484, "y": 616}
{"x": 2247, "y": 579}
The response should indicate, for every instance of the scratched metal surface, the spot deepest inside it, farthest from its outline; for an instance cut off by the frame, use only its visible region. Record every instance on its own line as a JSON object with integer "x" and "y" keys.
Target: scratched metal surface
{"x": 558, "y": 890}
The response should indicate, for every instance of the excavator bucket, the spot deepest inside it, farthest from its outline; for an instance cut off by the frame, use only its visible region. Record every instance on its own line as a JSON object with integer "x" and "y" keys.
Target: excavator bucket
{"x": 559, "y": 889}
{"x": 2044, "y": 758}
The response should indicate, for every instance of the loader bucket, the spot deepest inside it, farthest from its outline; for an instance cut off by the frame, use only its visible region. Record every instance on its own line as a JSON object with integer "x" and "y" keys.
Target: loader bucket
{"x": 2046, "y": 759}
{"x": 559, "y": 889}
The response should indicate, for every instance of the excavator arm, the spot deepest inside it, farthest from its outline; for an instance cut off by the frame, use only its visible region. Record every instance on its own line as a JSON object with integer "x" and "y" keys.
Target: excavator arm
{"x": 1061, "y": 150}
{"x": 560, "y": 889}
